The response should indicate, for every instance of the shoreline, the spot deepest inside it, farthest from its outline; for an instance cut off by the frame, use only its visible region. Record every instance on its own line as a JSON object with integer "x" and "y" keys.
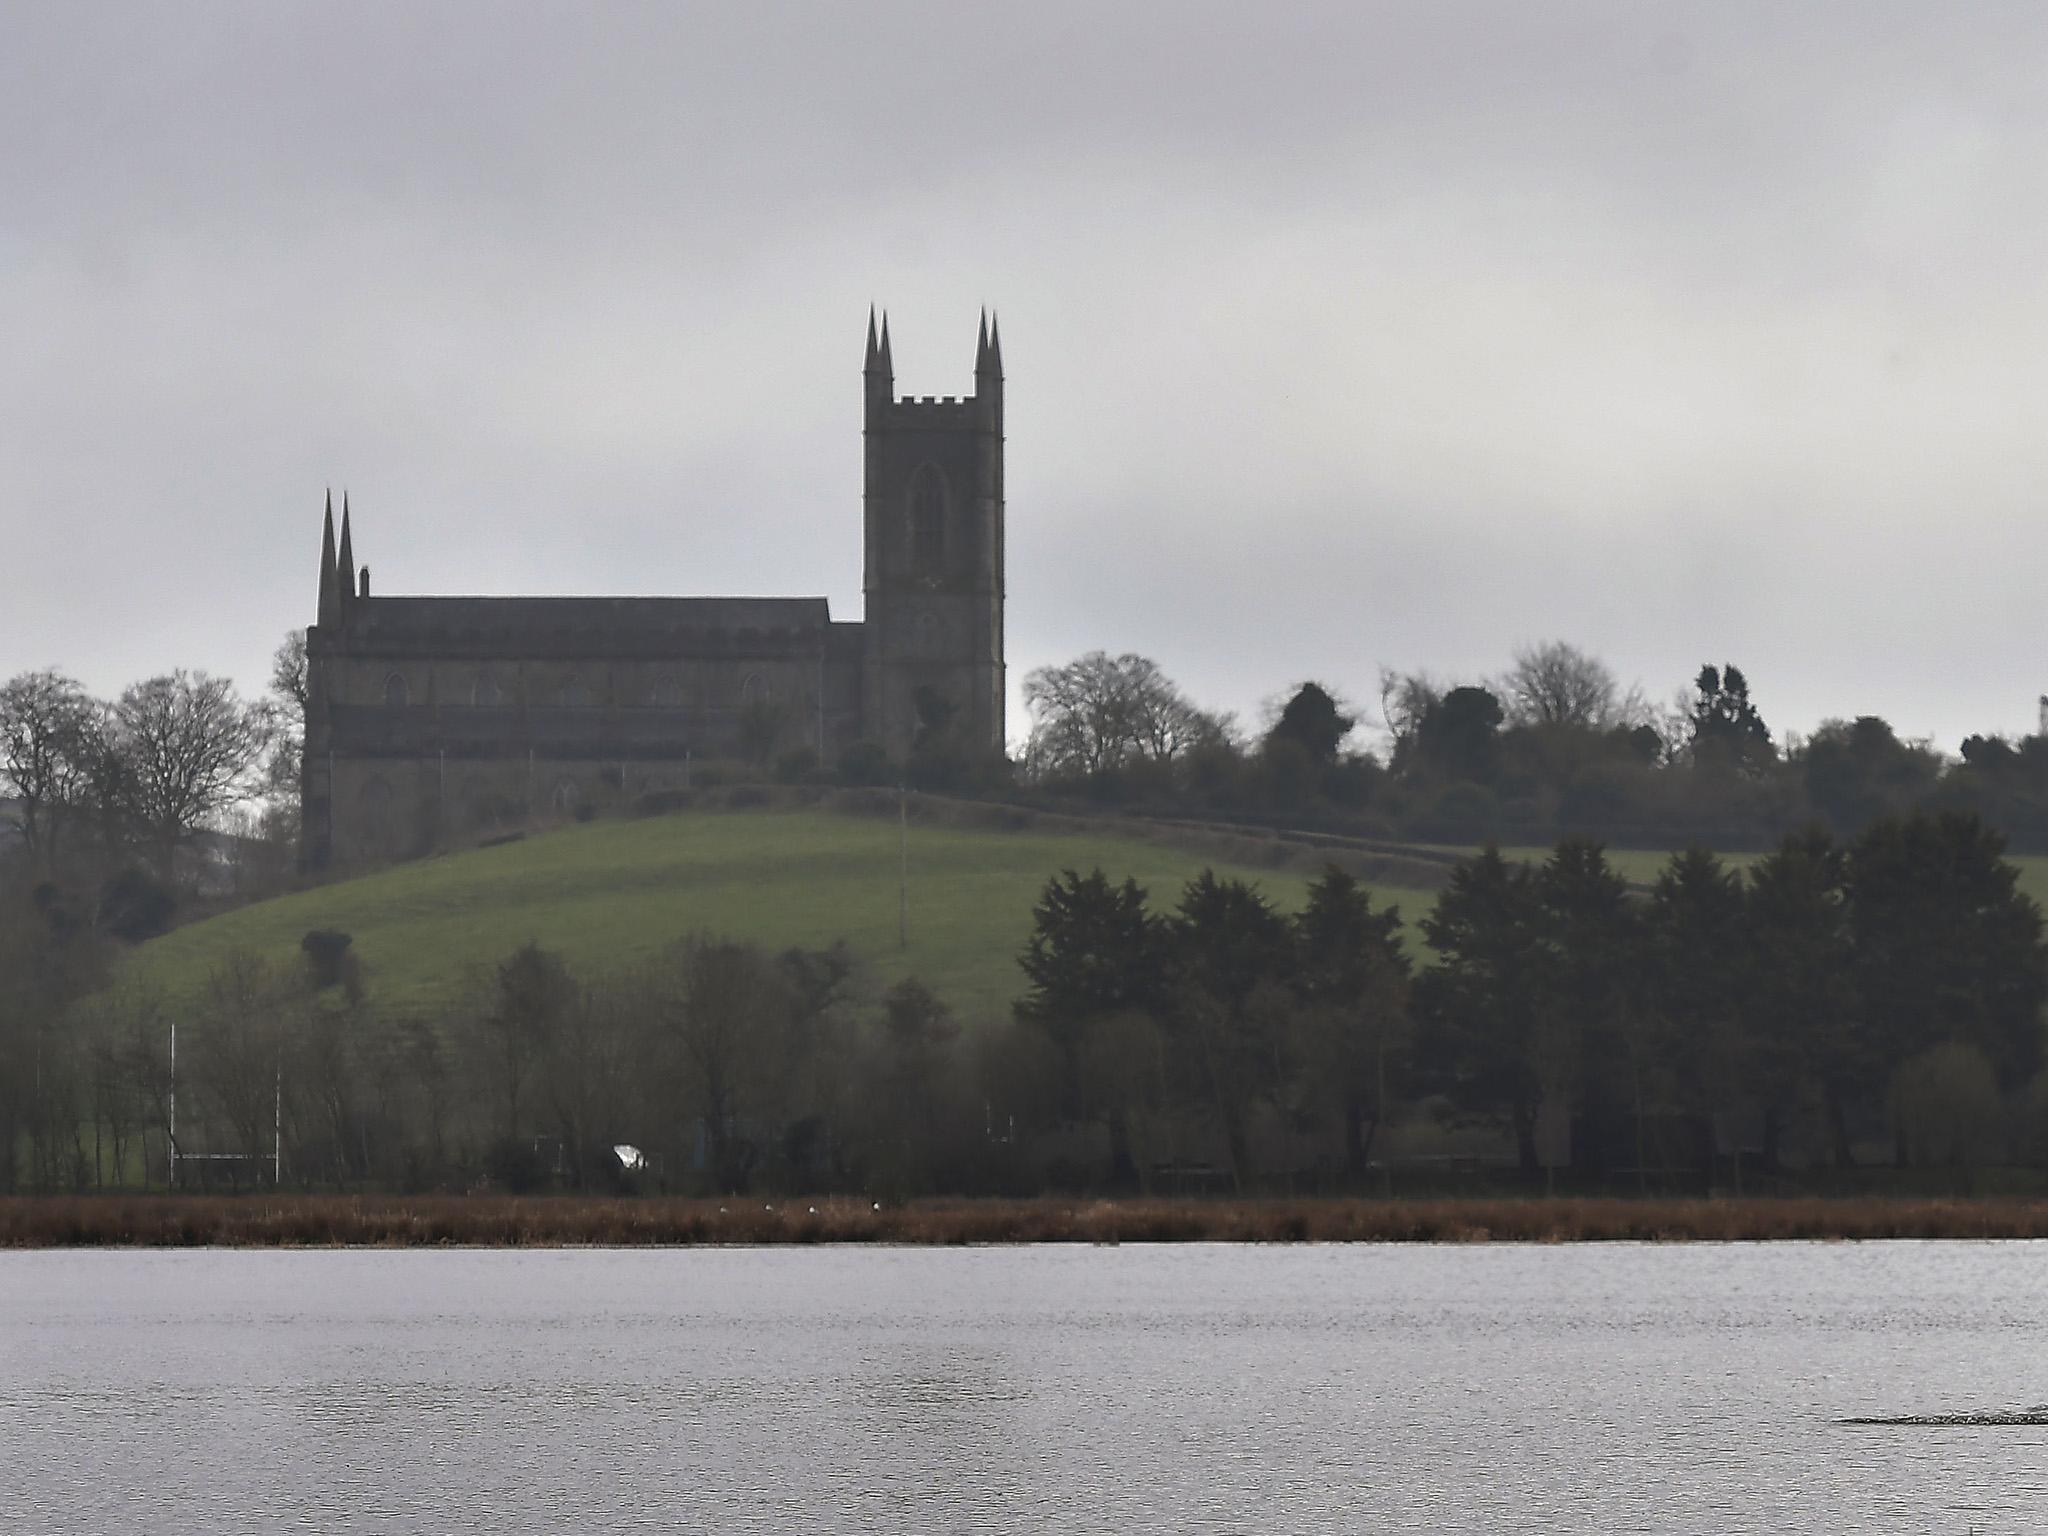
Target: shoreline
{"x": 263, "y": 1220}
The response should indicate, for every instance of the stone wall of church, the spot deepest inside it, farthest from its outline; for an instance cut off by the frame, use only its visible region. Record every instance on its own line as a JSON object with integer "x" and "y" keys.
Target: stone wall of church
{"x": 515, "y": 683}
{"x": 397, "y": 808}
{"x": 410, "y": 754}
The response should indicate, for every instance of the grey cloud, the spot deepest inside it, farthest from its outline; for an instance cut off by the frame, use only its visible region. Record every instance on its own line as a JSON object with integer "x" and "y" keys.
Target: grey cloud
{"x": 1338, "y": 335}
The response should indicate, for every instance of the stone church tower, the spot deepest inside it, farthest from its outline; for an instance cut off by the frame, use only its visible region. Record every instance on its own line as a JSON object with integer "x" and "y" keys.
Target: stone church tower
{"x": 933, "y": 587}
{"x": 432, "y": 718}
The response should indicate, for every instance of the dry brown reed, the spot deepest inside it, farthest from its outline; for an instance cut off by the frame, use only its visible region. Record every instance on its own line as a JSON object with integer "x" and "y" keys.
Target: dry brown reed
{"x": 298, "y": 1221}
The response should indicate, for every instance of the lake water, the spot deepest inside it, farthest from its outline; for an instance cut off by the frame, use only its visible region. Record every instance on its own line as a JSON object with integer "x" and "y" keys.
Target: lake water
{"x": 1200, "y": 1388}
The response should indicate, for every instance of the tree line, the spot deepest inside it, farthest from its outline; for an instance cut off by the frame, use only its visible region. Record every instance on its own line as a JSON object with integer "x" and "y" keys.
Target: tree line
{"x": 118, "y": 804}
{"x": 180, "y": 786}
{"x": 1555, "y": 746}
{"x": 1831, "y": 998}
{"x": 714, "y": 1065}
{"x": 1831, "y": 1003}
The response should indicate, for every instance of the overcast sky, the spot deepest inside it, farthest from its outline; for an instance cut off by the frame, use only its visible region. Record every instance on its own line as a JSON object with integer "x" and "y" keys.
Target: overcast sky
{"x": 1338, "y": 336}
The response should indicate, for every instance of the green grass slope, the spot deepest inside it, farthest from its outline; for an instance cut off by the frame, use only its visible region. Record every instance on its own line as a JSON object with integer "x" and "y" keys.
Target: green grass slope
{"x": 610, "y": 892}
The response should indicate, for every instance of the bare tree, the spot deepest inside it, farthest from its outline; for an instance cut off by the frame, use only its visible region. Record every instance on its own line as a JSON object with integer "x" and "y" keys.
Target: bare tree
{"x": 1102, "y": 712}
{"x": 724, "y": 1013}
{"x": 1165, "y": 725}
{"x": 276, "y": 823}
{"x": 1559, "y": 684}
{"x": 520, "y": 1008}
{"x": 1078, "y": 714}
{"x": 906, "y": 1095}
{"x": 287, "y": 704}
{"x": 1405, "y": 699}
{"x": 288, "y": 677}
{"x": 189, "y": 748}
{"x": 243, "y": 1020}
{"x": 49, "y": 730}
{"x": 585, "y": 1070}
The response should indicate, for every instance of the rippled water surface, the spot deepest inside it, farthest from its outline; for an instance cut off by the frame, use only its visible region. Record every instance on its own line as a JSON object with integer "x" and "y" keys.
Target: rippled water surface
{"x": 1608, "y": 1388}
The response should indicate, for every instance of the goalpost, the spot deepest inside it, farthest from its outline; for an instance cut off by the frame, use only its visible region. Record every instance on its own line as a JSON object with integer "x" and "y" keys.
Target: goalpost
{"x": 177, "y": 1155}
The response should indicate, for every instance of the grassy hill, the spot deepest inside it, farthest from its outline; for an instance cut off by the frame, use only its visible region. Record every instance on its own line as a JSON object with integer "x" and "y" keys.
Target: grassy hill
{"x": 609, "y": 892}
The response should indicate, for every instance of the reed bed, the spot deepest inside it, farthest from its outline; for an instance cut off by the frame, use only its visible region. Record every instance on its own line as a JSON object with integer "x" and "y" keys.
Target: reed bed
{"x": 394, "y": 1221}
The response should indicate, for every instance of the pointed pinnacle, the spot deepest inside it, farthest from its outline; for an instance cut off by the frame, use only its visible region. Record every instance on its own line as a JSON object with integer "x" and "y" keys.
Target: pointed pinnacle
{"x": 873, "y": 345}
{"x": 327, "y": 572}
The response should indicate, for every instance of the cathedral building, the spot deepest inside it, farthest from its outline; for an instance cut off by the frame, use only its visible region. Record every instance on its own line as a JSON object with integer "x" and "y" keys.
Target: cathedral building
{"x": 430, "y": 719}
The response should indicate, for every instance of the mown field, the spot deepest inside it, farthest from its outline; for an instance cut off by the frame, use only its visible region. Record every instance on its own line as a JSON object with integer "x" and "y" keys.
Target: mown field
{"x": 610, "y": 892}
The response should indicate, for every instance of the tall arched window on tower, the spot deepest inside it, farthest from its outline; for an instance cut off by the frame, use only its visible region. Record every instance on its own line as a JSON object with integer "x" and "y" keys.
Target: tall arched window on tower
{"x": 927, "y": 521}
{"x": 396, "y": 694}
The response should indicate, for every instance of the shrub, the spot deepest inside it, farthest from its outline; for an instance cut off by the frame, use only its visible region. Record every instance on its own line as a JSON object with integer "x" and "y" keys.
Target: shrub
{"x": 1463, "y": 812}
{"x": 1949, "y": 1107}
{"x": 135, "y": 905}
{"x": 515, "y": 1166}
{"x": 865, "y": 765}
{"x": 328, "y": 962}
{"x": 797, "y": 767}
{"x": 660, "y": 802}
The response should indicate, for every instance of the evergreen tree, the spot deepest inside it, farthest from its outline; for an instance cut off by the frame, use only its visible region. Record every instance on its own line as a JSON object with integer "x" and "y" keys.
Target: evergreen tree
{"x": 1232, "y": 957}
{"x": 1094, "y": 952}
{"x": 1944, "y": 946}
{"x": 1858, "y": 770}
{"x": 1590, "y": 1020}
{"x": 1483, "y": 1043}
{"x": 1352, "y": 981}
{"x": 1696, "y": 980}
{"x": 1726, "y": 727}
{"x": 1313, "y": 721}
{"x": 1457, "y": 737}
{"x": 1803, "y": 1006}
